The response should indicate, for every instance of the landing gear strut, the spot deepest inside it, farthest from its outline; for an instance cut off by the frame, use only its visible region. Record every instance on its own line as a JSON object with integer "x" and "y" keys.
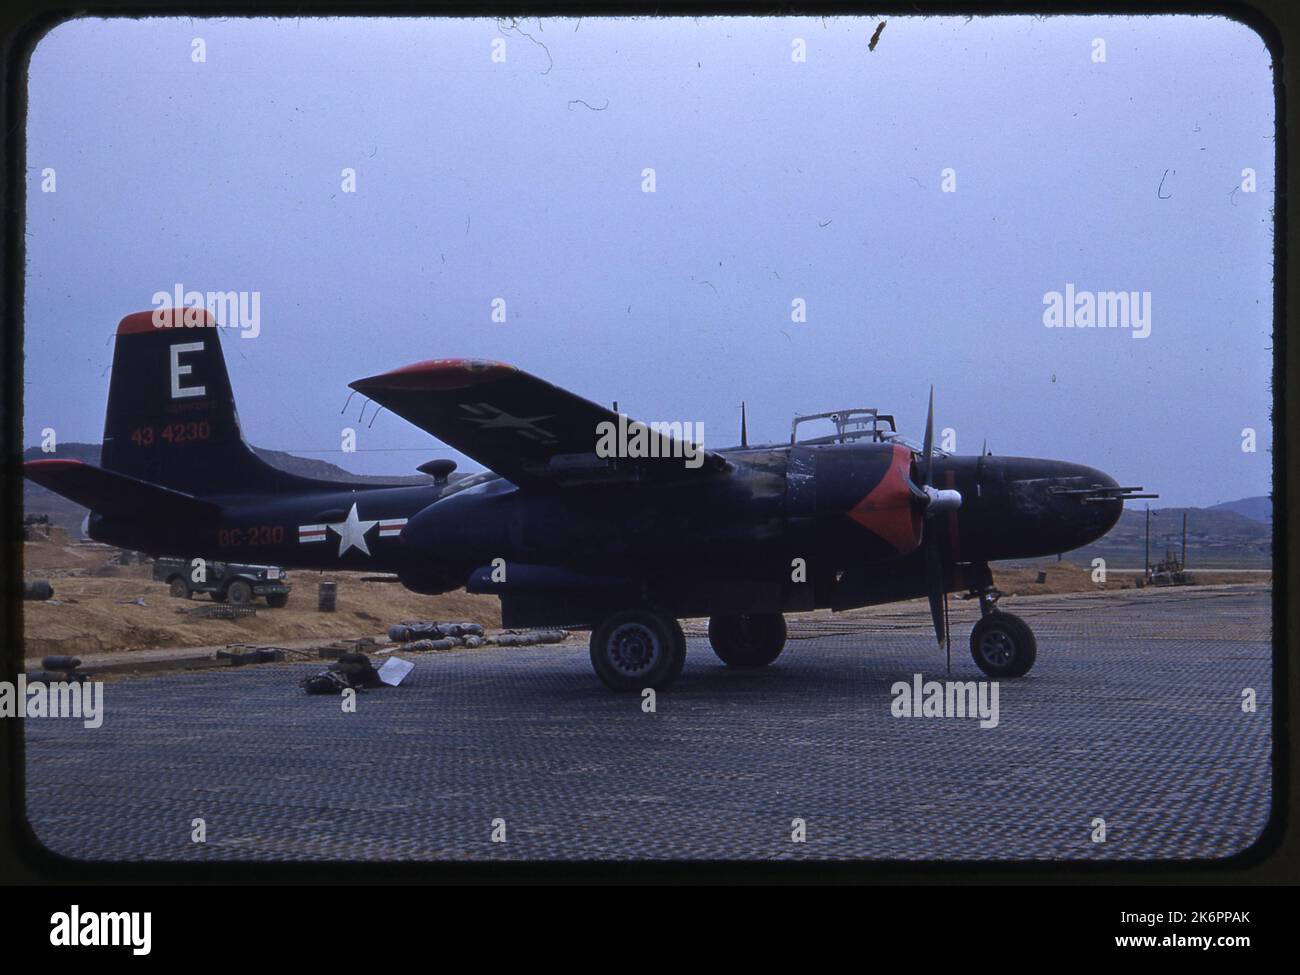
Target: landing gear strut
{"x": 1001, "y": 644}
{"x": 638, "y": 648}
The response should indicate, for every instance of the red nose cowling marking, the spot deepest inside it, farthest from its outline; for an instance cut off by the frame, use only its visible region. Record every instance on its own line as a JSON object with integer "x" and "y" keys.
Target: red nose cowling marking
{"x": 888, "y": 510}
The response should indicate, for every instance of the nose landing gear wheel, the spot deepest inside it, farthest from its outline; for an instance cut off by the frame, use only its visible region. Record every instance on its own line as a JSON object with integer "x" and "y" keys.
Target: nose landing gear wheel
{"x": 1003, "y": 645}
{"x": 747, "y": 641}
{"x": 637, "y": 648}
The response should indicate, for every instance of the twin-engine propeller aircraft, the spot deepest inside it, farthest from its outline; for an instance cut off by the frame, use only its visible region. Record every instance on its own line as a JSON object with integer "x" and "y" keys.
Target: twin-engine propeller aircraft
{"x": 564, "y": 536}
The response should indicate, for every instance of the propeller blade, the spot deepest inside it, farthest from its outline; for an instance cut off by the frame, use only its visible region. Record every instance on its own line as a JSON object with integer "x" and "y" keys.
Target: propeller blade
{"x": 927, "y": 454}
{"x": 929, "y": 499}
{"x": 934, "y": 582}
{"x": 934, "y": 501}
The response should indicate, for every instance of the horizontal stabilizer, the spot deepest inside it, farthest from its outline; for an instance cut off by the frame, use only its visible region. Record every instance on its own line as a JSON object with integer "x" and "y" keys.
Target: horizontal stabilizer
{"x": 110, "y": 493}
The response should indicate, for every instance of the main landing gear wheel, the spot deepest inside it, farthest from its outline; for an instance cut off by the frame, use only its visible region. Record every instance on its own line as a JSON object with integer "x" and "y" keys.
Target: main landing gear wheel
{"x": 1003, "y": 645}
{"x": 638, "y": 648}
{"x": 747, "y": 641}
{"x": 679, "y": 636}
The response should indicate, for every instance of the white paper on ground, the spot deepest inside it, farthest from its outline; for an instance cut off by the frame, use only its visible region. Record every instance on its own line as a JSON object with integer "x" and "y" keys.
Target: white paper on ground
{"x": 394, "y": 670}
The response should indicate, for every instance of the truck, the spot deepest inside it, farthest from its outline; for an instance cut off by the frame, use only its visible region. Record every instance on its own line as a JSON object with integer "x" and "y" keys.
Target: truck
{"x": 234, "y": 582}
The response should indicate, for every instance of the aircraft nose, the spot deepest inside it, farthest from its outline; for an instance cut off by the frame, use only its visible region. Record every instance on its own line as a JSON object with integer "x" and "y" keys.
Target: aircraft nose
{"x": 1042, "y": 507}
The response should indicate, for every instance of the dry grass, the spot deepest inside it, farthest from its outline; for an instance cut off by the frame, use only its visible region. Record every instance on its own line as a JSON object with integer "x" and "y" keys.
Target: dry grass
{"x": 95, "y": 613}
{"x": 1065, "y": 577}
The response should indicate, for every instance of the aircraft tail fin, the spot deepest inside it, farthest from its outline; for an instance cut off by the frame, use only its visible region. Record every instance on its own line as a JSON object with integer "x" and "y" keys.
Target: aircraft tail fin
{"x": 171, "y": 417}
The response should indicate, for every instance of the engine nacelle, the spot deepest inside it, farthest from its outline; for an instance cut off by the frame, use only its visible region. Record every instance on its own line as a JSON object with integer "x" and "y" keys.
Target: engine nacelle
{"x": 858, "y": 501}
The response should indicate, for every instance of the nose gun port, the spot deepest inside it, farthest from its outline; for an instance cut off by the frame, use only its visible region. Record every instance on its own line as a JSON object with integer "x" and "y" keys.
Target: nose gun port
{"x": 1098, "y": 495}
{"x": 1033, "y": 507}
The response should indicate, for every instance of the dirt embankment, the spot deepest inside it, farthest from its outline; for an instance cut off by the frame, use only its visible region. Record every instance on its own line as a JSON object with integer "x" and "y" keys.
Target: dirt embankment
{"x": 97, "y": 607}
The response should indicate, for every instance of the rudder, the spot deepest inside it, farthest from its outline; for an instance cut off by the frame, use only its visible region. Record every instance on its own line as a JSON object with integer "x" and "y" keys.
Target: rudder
{"x": 171, "y": 416}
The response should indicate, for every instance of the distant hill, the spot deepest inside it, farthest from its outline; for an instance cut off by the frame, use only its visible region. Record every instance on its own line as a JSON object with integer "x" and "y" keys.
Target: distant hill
{"x": 1217, "y": 537}
{"x": 1257, "y": 509}
{"x": 37, "y": 500}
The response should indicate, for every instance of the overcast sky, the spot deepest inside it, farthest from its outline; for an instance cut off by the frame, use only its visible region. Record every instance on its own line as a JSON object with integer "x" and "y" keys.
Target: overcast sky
{"x": 776, "y": 179}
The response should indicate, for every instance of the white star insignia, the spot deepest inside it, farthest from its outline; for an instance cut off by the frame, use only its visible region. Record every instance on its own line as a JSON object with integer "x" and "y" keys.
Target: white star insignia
{"x": 352, "y": 531}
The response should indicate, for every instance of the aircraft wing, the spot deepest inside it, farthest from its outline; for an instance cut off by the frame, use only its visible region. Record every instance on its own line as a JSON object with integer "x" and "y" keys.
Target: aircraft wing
{"x": 527, "y": 430}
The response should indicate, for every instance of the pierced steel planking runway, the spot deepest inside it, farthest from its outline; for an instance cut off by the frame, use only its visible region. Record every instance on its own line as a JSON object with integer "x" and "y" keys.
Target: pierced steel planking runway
{"x": 1132, "y": 713}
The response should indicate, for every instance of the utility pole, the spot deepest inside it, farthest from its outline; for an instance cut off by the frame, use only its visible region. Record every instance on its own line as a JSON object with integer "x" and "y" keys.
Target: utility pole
{"x": 1146, "y": 558}
{"x": 1183, "y": 560}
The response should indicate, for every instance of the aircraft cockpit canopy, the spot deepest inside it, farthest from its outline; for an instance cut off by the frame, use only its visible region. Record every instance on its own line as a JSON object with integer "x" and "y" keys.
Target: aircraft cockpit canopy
{"x": 848, "y": 426}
